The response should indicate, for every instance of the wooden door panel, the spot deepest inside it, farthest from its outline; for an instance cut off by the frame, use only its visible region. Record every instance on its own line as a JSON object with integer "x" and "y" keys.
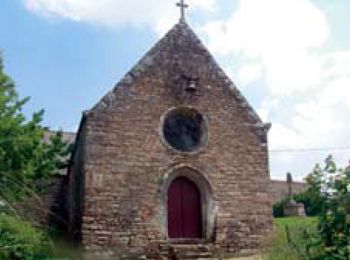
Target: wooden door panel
{"x": 184, "y": 209}
{"x": 174, "y": 210}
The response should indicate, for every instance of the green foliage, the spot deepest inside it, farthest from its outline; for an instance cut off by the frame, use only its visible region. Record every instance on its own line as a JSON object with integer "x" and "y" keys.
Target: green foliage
{"x": 312, "y": 198}
{"x": 24, "y": 158}
{"x": 334, "y": 221}
{"x": 330, "y": 187}
{"x": 278, "y": 208}
{"x": 19, "y": 240}
{"x": 27, "y": 163}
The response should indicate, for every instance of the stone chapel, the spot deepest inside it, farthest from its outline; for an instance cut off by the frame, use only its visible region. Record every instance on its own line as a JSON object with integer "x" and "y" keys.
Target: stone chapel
{"x": 172, "y": 162}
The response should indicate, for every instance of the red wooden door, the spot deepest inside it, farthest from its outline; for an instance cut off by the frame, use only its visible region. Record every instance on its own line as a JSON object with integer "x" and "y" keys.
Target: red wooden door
{"x": 184, "y": 209}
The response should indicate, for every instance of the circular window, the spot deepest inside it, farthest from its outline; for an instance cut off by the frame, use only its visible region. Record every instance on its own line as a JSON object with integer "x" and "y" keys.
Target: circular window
{"x": 185, "y": 129}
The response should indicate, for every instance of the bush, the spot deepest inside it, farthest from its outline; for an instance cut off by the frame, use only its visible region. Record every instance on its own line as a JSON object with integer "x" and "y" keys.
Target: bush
{"x": 329, "y": 187}
{"x": 19, "y": 240}
{"x": 278, "y": 208}
{"x": 312, "y": 202}
{"x": 312, "y": 198}
{"x": 334, "y": 221}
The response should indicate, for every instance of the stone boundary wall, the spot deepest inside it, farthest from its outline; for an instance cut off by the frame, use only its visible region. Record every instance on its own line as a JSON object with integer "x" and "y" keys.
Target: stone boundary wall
{"x": 279, "y": 189}
{"x": 49, "y": 208}
{"x": 39, "y": 211}
{"x": 54, "y": 200}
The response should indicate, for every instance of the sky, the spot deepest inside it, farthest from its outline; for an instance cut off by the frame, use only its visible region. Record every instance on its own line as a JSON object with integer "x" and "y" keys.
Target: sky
{"x": 290, "y": 58}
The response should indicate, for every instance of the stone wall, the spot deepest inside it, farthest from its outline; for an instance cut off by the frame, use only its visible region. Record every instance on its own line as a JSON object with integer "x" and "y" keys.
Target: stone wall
{"x": 126, "y": 162}
{"x": 47, "y": 209}
{"x": 76, "y": 185}
{"x": 280, "y": 189}
{"x": 50, "y": 207}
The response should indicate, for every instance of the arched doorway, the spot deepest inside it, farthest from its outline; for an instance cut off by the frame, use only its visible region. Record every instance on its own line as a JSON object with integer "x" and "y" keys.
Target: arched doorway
{"x": 184, "y": 209}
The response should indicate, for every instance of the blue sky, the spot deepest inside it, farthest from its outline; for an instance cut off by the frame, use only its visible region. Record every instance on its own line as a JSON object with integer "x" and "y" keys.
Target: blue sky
{"x": 64, "y": 66}
{"x": 290, "y": 58}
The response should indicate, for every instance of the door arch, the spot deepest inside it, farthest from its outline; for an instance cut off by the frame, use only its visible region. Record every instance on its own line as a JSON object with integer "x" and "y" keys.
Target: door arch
{"x": 184, "y": 209}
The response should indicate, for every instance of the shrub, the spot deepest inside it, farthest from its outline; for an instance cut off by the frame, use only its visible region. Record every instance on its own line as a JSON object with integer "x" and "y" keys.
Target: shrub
{"x": 19, "y": 240}
{"x": 334, "y": 221}
{"x": 278, "y": 208}
{"x": 330, "y": 186}
{"x": 312, "y": 198}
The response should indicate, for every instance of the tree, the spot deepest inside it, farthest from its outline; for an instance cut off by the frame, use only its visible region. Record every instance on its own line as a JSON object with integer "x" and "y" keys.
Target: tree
{"x": 312, "y": 197}
{"x": 25, "y": 159}
{"x": 330, "y": 187}
{"x": 334, "y": 222}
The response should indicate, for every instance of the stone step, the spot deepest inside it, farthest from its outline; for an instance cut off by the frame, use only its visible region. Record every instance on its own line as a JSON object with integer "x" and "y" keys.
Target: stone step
{"x": 187, "y": 251}
{"x": 194, "y": 255}
{"x": 200, "y": 247}
{"x": 205, "y": 258}
{"x": 198, "y": 257}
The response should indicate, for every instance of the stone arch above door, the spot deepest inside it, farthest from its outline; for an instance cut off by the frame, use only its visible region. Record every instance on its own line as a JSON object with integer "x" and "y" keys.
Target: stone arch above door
{"x": 208, "y": 206}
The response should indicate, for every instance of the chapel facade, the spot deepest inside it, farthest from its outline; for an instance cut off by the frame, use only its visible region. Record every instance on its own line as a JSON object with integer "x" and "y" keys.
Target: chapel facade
{"x": 173, "y": 162}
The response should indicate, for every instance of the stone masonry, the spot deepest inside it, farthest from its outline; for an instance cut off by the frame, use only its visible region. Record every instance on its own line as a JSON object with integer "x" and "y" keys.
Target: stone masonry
{"x": 279, "y": 190}
{"x": 122, "y": 165}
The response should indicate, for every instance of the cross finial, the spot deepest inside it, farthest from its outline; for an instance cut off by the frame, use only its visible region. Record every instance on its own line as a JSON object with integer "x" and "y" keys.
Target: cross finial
{"x": 182, "y": 6}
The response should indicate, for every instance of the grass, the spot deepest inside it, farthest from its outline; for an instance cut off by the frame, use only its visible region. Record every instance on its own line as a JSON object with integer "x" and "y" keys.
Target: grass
{"x": 278, "y": 246}
{"x": 292, "y": 222}
{"x": 19, "y": 240}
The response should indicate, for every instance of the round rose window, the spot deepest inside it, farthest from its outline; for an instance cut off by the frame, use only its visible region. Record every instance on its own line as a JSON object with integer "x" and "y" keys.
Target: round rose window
{"x": 185, "y": 129}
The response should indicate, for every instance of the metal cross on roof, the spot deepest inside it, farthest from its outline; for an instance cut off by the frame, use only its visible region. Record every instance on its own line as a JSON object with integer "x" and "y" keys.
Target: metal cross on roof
{"x": 182, "y": 6}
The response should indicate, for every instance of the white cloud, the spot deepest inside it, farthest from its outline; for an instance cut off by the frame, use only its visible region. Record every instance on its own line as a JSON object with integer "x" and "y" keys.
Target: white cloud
{"x": 281, "y": 35}
{"x": 250, "y": 73}
{"x": 307, "y": 89}
{"x": 319, "y": 118}
{"x": 159, "y": 15}
{"x": 268, "y": 105}
{"x": 282, "y": 136}
{"x": 316, "y": 120}
{"x": 207, "y": 5}
{"x": 264, "y": 27}
{"x": 275, "y": 44}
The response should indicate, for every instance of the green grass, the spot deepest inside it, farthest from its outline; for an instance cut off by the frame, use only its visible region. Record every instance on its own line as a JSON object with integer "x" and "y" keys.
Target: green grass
{"x": 295, "y": 222}
{"x": 278, "y": 247}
